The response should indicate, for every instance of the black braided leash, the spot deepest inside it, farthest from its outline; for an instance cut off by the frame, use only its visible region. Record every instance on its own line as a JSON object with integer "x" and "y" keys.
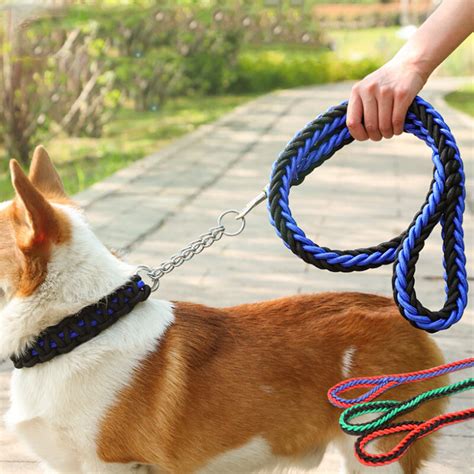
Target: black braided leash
{"x": 278, "y": 209}
{"x": 79, "y": 328}
{"x": 444, "y": 204}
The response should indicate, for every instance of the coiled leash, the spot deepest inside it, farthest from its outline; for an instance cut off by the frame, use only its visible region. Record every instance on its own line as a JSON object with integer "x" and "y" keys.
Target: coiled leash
{"x": 444, "y": 204}
{"x": 390, "y": 409}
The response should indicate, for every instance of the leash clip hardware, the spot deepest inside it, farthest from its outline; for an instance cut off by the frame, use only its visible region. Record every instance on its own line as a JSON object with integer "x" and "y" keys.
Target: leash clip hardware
{"x": 149, "y": 272}
{"x": 251, "y": 205}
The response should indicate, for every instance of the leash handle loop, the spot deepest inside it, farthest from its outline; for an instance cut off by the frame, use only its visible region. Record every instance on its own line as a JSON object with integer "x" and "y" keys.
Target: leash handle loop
{"x": 381, "y": 384}
{"x": 444, "y": 205}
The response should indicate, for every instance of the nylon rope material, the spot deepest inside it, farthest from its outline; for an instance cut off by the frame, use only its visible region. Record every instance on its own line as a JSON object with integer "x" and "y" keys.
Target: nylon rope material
{"x": 388, "y": 410}
{"x": 444, "y": 204}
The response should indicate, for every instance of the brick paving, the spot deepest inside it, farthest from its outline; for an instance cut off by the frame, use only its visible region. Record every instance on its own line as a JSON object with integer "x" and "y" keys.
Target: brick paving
{"x": 364, "y": 195}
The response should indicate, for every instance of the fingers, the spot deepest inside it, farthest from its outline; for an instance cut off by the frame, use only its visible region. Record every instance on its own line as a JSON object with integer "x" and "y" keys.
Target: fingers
{"x": 371, "y": 115}
{"x": 400, "y": 107}
{"x": 379, "y": 103}
{"x": 385, "y": 103}
{"x": 355, "y": 112}
{"x": 362, "y": 114}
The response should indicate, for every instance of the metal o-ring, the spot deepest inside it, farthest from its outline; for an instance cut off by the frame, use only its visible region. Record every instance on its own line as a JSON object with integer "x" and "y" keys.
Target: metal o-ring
{"x": 236, "y": 213}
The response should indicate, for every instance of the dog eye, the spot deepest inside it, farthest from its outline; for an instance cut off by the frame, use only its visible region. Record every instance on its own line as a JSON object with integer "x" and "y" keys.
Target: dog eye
{"x": 2, "y": 293}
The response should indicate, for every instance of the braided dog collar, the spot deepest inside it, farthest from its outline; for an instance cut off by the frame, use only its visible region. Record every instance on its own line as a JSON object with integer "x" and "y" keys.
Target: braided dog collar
{"x": 444, "y": 204}
{"x": 83, "y": 326}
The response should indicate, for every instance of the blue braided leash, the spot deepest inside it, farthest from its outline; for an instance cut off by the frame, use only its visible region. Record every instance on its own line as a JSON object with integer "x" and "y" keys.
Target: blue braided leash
{"x": 444, "y": 204}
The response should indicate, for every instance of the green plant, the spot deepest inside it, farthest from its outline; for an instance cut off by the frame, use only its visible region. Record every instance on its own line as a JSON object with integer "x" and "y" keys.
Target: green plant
{"x": 153, "y": 79}
{"x": 168, "y": 51}
{"x": 274, "y": 68}
{"x": 210, "y": 60}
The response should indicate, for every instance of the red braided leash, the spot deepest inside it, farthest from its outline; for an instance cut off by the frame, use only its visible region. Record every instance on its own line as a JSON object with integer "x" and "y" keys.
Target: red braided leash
{"x": 416, "y": 430}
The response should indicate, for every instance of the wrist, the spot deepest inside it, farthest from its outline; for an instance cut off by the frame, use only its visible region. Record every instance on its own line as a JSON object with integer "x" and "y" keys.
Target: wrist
{"x": 420, "y": 66}
{"x": 415, "y": 62}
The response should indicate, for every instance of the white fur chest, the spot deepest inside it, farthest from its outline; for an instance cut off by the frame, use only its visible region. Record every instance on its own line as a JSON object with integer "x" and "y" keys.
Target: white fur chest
{"x": 68, "y": 396}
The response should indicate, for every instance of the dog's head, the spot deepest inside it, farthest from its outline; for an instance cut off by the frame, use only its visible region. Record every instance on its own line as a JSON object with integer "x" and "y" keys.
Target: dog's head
{"x": 51, "y": 263}
{"x": 31, "y": 226}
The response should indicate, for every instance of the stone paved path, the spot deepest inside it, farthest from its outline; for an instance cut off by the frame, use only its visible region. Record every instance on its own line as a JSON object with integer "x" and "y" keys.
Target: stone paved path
{"x": 366, "y": 194}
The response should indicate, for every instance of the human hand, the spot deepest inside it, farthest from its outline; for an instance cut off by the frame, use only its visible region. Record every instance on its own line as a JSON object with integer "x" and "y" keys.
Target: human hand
{"x": 379, "y": 103}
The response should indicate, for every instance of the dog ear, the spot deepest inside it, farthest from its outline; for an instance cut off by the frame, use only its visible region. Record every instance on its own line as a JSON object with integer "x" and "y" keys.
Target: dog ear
{"x": 34, "y": 219}
{"x": 43, "y": 174}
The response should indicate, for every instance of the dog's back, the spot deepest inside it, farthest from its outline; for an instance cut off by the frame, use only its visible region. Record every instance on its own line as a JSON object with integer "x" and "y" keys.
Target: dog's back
{"x": 257, "y": 375}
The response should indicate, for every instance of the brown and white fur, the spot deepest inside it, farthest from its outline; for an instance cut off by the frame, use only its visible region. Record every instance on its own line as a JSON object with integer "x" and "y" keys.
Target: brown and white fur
{"x": 179, "y": 387}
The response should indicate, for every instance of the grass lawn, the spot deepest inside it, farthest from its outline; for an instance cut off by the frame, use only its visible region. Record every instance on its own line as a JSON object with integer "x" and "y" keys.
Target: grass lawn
{"x": 462, "y": 99}
{"x": 385, "y": 42}
{"x": 128, "y": 137}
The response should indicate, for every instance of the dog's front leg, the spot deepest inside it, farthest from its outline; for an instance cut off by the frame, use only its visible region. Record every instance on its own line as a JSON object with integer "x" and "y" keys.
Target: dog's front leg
{"x": 54, "y": 453}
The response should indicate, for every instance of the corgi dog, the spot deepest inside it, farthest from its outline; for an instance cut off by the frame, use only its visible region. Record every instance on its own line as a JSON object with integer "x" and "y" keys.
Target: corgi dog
{"x": 173, "y": 387}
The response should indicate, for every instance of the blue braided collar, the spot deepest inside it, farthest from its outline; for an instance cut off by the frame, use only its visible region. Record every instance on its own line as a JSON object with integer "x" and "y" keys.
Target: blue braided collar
{"x": 81, "y": 327}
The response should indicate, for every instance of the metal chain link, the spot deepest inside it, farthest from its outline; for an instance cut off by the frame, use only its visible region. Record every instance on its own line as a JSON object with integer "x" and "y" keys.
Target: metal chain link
{"x": 203, "y": 242}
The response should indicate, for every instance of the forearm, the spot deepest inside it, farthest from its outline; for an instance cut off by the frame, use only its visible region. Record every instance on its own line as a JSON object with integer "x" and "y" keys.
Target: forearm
{"x": 448, "y": 26}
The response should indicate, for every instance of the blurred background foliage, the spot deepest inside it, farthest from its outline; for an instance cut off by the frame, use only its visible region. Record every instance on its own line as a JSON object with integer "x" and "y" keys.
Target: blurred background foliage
{"x": 104, "y": 83}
